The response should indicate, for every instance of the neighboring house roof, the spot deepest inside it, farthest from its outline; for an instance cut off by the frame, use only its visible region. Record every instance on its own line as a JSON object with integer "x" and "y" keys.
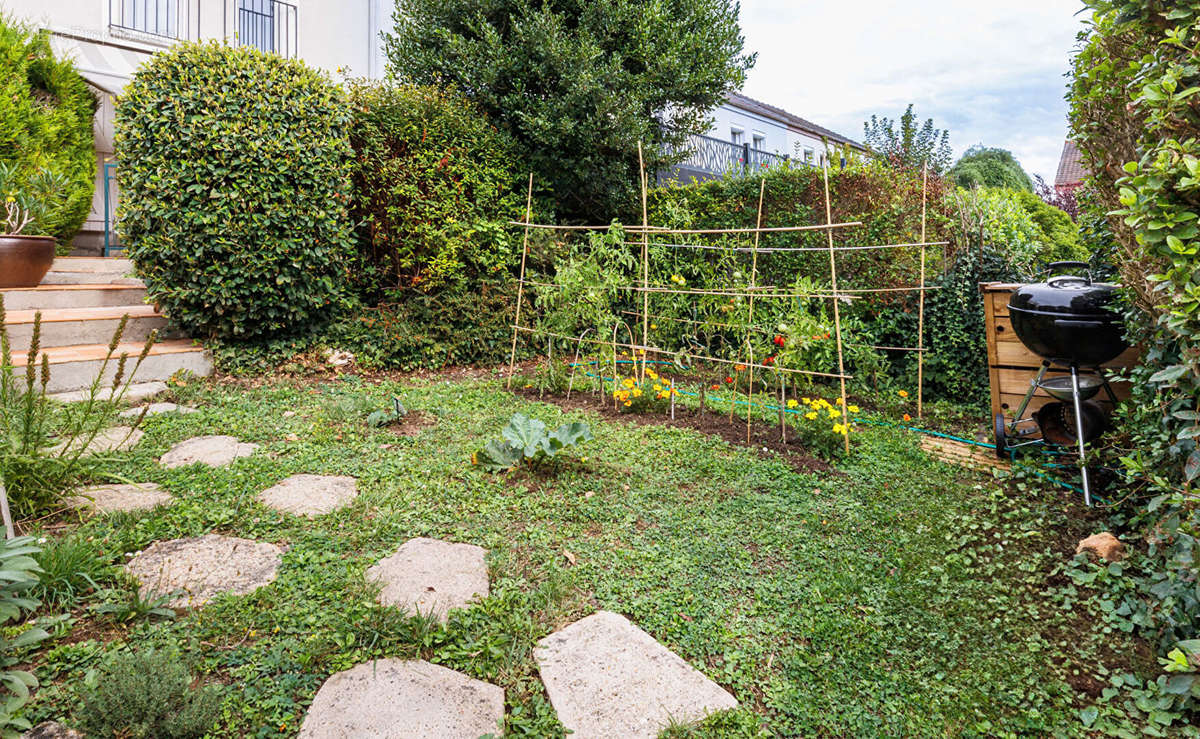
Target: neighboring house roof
{"x": 779, "y": 115}
{"x": 1070, "y": 169}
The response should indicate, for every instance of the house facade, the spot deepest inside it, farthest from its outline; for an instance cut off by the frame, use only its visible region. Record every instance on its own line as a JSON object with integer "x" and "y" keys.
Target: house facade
{"x": 110, "y": 39}
{"x": 747, "y": 135}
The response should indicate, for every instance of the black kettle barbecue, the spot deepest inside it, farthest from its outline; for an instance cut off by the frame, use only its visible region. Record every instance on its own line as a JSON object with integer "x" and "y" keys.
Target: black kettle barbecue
{"x": 1069, "y": 321}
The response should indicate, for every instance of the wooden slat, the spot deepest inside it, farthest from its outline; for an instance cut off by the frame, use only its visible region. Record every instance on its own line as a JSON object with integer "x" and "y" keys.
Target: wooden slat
{"x": 962, "y": 455}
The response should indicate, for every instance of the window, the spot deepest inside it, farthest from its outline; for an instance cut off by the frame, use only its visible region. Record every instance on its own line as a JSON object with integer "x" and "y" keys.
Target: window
{"x": 760, "y": 141}
{"x": 737, "y": 136}
{"x": 269, "y": 25}
{"x": 808, "y": 154}
{"x": 152, "y": 17}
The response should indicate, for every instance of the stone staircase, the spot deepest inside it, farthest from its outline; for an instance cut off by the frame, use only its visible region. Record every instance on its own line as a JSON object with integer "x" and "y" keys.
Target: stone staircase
{"x": 82, "y": 300}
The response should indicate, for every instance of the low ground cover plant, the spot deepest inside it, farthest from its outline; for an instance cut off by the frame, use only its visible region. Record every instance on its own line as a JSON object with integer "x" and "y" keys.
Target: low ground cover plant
{"x": 148, "y": 694}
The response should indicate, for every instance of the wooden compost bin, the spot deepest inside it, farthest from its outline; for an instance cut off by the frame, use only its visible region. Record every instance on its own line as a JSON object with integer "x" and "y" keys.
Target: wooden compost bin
{"x": 1011, "y": 367}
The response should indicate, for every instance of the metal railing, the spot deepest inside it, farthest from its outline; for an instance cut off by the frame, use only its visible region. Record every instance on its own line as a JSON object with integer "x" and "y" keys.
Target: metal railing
{"x": 111, "y": 241}
{"x": 269, "y": 25}
{"x": 172, "y": 20}
{"x": 708, "y": 158}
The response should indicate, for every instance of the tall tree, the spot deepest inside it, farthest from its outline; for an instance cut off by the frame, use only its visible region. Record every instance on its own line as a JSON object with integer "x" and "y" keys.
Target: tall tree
{"x": 578, "y": 83}
{"x": 982, "y": 166}
{"x": 911, "y": 145}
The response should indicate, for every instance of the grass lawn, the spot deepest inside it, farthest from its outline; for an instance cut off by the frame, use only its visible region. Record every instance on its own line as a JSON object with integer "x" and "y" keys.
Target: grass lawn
{"x": 893, "y": 596}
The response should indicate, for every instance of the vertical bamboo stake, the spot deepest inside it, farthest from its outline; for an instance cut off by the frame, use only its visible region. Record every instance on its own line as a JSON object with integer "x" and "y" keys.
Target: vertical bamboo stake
{"x": 512, "y": 358}
{"x": 921, "y": 300}
{"x": 837, "y": 318}
{"x": 782, "y": 407}
{"x": 645, "y": 267}
{"x": 762, "y": 188}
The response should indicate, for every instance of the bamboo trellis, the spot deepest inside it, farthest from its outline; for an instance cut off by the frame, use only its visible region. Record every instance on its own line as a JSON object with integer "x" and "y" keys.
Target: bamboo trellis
{"x": 641, "y": 353}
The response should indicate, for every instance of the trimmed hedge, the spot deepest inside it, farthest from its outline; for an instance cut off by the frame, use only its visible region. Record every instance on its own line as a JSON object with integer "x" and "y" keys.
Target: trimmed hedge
{"x": 235, "y": 189}
{"x": 434, "y": 185}
{"x": 46, "y": 124}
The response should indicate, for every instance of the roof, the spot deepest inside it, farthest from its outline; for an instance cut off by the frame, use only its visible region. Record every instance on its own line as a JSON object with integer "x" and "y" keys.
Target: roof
{"x": 780, "y": 115}
{"x": 1070, "y": 169}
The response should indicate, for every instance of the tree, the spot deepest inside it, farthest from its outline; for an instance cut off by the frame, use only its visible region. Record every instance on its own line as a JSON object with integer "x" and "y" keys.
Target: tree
{"x": 578, "y": 83}
{"x": 911, "y": 146}
{"x": 982, "y": 166}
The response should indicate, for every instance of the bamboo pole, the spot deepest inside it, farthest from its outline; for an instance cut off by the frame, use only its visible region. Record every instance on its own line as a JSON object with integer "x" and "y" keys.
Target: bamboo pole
{"x": 921, "y": 300}
{"x": 762, "y": 188}
{"x": 676, "y": 231}
{"x": 782, "y": 409}
{"x": 837, "y": 318}
{"x": 512, "y": 357}
{"x": 645, "y": 266}
{"x": 781, "y": 249}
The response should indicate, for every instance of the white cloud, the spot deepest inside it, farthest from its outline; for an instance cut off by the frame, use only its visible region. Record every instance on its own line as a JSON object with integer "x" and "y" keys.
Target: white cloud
{"x": 992, "y": 72}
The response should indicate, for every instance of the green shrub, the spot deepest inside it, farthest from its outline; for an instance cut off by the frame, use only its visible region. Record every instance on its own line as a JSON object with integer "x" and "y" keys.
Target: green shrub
{"x": 148, "y": 695}
{"x": 434, "y": 188}
{"x": 235, "y": 188}
{"x": 46, "y": 126}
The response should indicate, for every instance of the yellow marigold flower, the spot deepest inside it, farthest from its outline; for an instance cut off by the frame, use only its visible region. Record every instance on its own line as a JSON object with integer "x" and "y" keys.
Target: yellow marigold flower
{"x": 852, "y": 409}
{"x": 652, "y": 373}
{"x": 834, "y": 413}
{"x": 628, "y": 382}
{"x": 806, "y": 401}
{"x": 628, "y": 403}
{"x": 810, "y": 415}
{"x": 792, "y": 403}
{"x": 839, "y": 401}
{"x": 902, "y": 393}
{"x": 657, "y": 386}
{"x": 637, "y": 392}
{"x": 654, "y": 325}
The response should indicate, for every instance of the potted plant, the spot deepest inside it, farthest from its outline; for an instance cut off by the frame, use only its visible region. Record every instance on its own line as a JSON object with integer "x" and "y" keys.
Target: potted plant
{"x": 26, "y": 257}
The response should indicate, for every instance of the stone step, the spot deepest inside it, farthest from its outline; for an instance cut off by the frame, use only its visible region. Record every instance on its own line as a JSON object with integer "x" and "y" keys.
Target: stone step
{"x": 71, "y": 326}
{"x": 49, "y": 297}
{"x": 75, "y": 367}
{"x": 91, "y": 271}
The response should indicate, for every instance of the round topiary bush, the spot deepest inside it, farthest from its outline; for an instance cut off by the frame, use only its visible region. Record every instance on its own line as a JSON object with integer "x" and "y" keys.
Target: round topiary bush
{"x": 235, "y": 188}
{"x": 45, "y": 127}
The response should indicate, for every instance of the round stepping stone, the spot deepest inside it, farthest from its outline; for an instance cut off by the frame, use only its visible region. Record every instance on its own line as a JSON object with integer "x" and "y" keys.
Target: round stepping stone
{"x": 156, "y": 408}
{"x": 608, "y": 678}
{"x": 195, "y": 570}
{"x": 402, "y": 699}
{"x": 112, "y": 498}
{"x": 430, "y": 577}
{"x": 310, "y": 495}
{"x": 214, "y": 451}
{"x": 115, "y": 439}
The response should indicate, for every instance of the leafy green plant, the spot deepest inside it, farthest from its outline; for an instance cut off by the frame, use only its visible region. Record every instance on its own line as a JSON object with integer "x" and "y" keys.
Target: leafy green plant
{"x": 909, "y": 145}
{"x": 147, "y": 694}
{"x": 380, "y": 418}
{"x": 529, "y": 441}
{"x": 233, "y": 165}
{"x": 70, "y": 567}
{"x": 18, "y": 576}
{"x": 44, "y": 448}
{"x": 30, "y": 206}
{"x": 45, "y": 133}
{"x": 131, "y": 606}
{"x": 982, "y": 166}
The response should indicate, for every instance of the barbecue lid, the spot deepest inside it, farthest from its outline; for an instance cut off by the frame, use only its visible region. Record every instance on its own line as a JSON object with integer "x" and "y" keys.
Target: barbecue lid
{"x": 1073, "y": 295}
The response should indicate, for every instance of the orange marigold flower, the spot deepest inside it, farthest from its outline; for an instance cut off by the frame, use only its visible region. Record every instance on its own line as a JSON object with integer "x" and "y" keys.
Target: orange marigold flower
{"x": 902, "y": 393}
{"x": 907, "y": 417}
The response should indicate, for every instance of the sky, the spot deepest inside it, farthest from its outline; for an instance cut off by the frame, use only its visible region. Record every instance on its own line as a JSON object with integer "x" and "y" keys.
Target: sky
{"x": 991, "y": 71}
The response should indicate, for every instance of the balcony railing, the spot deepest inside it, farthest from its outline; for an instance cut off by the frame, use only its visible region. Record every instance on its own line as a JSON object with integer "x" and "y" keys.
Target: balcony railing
{"x": 165, "y": 20}
{"x": 709, "y": 158}
{"x": 269, "y": 25}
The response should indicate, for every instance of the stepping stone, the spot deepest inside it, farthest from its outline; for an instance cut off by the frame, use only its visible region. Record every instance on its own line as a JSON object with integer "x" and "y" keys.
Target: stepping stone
{"x": 115, "y": 439}
{"x": 195, "y": 570}
{"x": 156, "y": 408}
{"x": 214, "y": 451}
{"x": 608, "y": 678}
{"x": 430, "y": 577}
{"x": 310, "y": 495}
{"x": 403, "y": 699}
{"x": 134, "y": 393}
{"x": 111, "y": 498}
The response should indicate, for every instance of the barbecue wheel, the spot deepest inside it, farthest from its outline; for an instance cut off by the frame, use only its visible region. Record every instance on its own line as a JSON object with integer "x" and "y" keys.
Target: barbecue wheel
{"x": 1001, "y": 434}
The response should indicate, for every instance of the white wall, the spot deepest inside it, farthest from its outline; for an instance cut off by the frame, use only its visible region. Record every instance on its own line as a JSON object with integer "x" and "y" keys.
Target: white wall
{"x": 726, "y": 118}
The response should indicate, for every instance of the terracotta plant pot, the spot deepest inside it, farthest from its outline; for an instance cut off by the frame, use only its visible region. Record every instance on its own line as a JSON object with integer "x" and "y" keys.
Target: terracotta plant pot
{"x": 25, "y": 260}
